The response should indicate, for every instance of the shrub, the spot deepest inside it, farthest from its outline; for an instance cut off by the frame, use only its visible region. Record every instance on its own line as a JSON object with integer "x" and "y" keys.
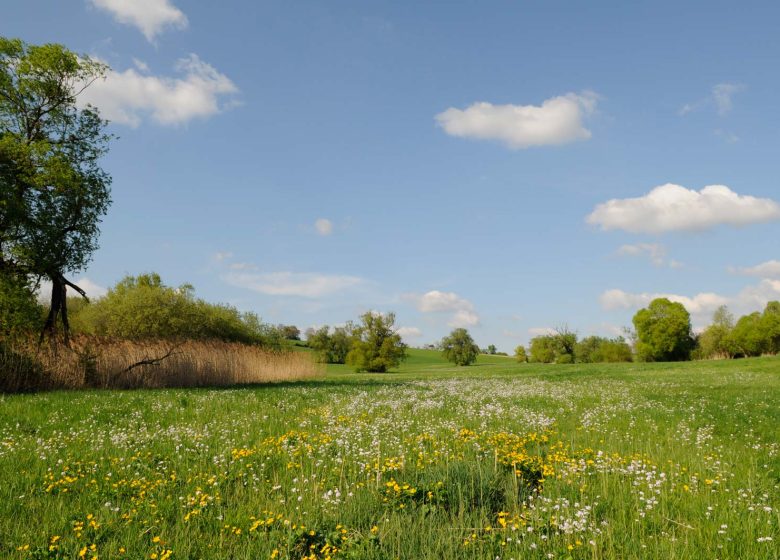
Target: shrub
{"x": 330, "y": 348}
{"x": 143, "y": 307}
{"x": 597, "y": 349}
{"x": 520, "y": 354}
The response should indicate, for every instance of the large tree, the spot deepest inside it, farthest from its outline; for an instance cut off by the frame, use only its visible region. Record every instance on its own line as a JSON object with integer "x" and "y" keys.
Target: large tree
{"x": 376, "y": 346}
{"x": 53, "y": 190}
{"x": 663, "y": 331}
{"x": 459, "y": 348}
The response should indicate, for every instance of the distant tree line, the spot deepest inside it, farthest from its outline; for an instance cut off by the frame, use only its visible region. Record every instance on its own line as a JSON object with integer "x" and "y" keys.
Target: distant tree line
{"x": 662, "y": 333}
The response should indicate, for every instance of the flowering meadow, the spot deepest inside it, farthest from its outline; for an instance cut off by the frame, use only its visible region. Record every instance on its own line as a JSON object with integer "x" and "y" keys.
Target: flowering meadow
{"x": 498, "y": 461}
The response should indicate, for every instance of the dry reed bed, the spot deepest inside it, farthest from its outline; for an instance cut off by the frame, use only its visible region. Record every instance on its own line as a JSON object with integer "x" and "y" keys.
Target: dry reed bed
{"x": 125, "y": 364}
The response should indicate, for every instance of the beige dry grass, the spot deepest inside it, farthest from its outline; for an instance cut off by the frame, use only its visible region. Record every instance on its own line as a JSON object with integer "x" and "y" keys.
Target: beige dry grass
{"x": 125, "y": 364}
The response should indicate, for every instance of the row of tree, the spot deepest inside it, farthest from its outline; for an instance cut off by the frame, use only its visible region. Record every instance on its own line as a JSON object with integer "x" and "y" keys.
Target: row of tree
{"x": 752, "y": 335}
{"x": 563, "y": 347}
{"x": 662, "y": 333}
{"x": 371, "y": 345}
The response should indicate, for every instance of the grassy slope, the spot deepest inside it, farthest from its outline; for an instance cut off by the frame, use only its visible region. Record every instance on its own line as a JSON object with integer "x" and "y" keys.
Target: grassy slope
{"x": 139, "y": 462}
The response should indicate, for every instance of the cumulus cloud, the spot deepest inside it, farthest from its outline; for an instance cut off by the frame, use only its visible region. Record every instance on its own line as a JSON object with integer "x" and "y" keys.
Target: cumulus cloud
{"x": 758, "y": 295}
{"x": 300, "y": 284}
{"x": 93, "y": 289}
{"x": 558, "y": 120}
{"x": 768, "y": 269}
{"x": 700, "y": 303}
{"x": 671, "y": 207}
{"x": 129, "y": 96}
{"x": 151, "y": 17}
{"x": 323, "y": 226}
{"x": 462, "y": 313}
{"x": 409, "y": 333}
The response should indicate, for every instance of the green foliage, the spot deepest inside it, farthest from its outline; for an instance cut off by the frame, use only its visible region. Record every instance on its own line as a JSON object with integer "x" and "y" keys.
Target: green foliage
{"x": 53, "y": 192}
{"x": 142, "y": 307}
{"x": 376, "y": 347}
{"x": 520, "y": 354}
{"x": 289, "y": 332}
{"x": 597, "y": 349}
{"x": 770, "y": 325}
{"x": 663, "y": 332}
{"x": 491, "y": 349}
{"x": 748, "y": 337}
{"x": 716, "y": 341}
{"x": 459, "y": 348}
{"x": 558, "y": 347}
{"x": 19, "y": 310}
{"x": 331, "y": 348}
{"x": 543, "y": 349}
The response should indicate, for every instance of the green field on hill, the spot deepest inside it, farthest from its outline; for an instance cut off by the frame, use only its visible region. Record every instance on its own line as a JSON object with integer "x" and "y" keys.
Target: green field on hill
{"x": 496, "y": 460}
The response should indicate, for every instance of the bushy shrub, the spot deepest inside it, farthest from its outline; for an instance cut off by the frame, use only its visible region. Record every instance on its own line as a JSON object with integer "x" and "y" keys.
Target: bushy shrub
{"x": 143, "y": 307}
{"x": 331, "y": 348}
{"x": 597, "y": 349}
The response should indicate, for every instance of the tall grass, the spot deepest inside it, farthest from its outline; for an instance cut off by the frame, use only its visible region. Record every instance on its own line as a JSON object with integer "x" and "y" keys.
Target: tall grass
{"x": 126, "y": 364}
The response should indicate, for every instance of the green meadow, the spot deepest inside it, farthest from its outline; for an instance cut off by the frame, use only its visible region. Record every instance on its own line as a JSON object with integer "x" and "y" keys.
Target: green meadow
{"x": 495, "y": 460}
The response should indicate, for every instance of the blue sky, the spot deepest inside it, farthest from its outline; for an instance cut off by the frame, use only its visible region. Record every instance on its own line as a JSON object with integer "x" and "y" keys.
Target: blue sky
{"x": 453, "y": 162}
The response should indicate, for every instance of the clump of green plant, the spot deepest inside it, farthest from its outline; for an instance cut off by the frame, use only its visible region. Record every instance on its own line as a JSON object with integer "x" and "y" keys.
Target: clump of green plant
{"x": 143, "y": 307}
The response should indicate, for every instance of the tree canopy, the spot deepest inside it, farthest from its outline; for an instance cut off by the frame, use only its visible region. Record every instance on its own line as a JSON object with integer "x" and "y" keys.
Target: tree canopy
{"x": 663, "y": 331}
{"x": 376, "y": 346}
{"x": 53, "y": 192}
{"x": 459, "y": 348}
{"x": 143, "y": 307}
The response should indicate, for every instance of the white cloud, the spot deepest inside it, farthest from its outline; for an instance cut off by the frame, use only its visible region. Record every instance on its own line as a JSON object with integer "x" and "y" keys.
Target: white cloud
{"x": 151, "y": 17}
{"x": 462, "y": 313}
{"x": 323, "y": 226}
{"x": 674, "y": 208}
{"x": 409, "y": 333}
{"x": 654, "y": 251}
{"x": 558, "y": 120}
{"x": 722, "y": 94}
{"x": 92, "y": 289}
{"x": 129, "y": 96}
{"x": 698, "y": 304}
{"x": 752, "y": 298}
{"x": 301, "y": 284}
{"x": 541, "y": 331}
{"x": 221, "y": 256}
{"x": 768, "y": 269}
{"x": 720, "y": 98}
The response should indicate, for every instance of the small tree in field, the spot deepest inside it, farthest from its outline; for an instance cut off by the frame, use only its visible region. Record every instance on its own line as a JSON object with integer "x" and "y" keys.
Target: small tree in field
{"x": 376, "y": 346}
{"x": 520, "y": 354}
{"x": 459, "y": 348}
